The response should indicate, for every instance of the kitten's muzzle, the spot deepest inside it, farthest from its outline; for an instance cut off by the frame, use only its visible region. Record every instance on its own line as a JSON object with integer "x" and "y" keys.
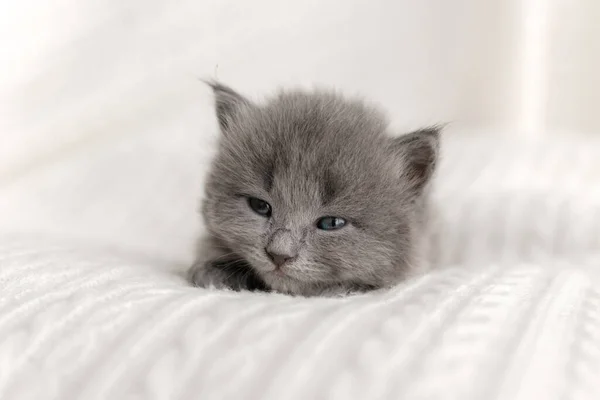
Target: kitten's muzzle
{"x": 282, "y": 247}
{"x": 280, "y": 259}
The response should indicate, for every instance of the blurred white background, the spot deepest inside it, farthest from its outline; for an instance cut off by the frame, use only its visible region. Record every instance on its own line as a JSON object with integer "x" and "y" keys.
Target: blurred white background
{"x": 99, "y": 97}
{"x": 525, "y": 67}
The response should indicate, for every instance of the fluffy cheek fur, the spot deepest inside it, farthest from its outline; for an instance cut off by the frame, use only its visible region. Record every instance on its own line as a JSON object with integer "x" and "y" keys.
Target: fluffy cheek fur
{"x": 229, "y": 219}
{"x": 356, "y": 257}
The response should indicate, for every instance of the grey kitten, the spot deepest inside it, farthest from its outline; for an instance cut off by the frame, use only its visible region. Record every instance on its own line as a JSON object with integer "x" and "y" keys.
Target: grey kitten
{"x": 308, "y": 195}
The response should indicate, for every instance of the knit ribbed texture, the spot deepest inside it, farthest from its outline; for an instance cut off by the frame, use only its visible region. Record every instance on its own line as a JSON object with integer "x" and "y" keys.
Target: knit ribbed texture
{"x": 78, "y": 324}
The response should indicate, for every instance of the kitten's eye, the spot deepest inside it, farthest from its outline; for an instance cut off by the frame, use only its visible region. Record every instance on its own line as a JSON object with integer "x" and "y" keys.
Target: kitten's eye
{"x": 259, "y": 206}
{"x": 331, "y": 223}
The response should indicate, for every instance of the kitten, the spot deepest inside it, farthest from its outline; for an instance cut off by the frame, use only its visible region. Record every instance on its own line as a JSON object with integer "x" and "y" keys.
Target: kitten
{"x": 308, "y": 195}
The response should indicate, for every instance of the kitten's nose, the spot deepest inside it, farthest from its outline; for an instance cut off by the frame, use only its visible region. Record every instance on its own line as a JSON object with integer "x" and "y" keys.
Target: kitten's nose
{"x": 279, "y": 259}
{"x": 282, "y": 247}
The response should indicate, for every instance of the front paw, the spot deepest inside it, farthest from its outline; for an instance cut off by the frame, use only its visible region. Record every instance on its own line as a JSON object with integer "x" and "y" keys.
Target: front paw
{"x": 226, "y": 274}
{"x": 203, "y": 275}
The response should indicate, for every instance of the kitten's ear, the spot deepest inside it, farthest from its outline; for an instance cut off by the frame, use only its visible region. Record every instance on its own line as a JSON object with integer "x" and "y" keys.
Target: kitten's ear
{"x": 227, "y": 103}
{"x": 418, "y": 152}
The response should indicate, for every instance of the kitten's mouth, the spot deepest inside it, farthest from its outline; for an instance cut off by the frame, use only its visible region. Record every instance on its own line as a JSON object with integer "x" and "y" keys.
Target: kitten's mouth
{"x": 277, "y": 272}
{"x": 272, "y": 274}
{"x": 280, "y": 273}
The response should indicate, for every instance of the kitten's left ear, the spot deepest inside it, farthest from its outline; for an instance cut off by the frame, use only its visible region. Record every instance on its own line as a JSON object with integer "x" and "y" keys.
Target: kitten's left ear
{"x": 418, "y": 152}
{"x": 227, "y": 103}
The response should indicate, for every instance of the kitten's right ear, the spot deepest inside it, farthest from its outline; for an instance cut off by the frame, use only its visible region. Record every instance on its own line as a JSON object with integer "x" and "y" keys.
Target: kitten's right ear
{"x": 227, "y": 103}
{"x": 418, "y": 154}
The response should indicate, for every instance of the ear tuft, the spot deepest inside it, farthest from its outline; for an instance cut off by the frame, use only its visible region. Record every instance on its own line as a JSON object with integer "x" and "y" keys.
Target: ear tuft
{"x": 227, "y": 103}
{"x": 418, "y": 152}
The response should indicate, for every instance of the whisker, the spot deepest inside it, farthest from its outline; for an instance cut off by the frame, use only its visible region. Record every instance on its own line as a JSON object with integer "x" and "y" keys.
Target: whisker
{"x": 223, "y": 256}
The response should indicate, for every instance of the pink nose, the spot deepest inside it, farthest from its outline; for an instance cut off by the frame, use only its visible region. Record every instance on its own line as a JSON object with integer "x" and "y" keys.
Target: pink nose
{"x": 279, "y": 259}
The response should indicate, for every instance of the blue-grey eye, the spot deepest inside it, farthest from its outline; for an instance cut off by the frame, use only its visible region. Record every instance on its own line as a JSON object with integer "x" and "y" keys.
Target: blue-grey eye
{"x": 331, "y": 223}
{"x": 259, "y": 206}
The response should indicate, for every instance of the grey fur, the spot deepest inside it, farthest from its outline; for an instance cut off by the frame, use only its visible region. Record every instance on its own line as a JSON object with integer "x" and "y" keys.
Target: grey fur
{"x": 309, "y": 155}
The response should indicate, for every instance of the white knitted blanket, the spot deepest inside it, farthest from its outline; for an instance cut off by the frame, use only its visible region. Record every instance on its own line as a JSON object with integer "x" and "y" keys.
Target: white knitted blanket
{"x": 94, "y": 306}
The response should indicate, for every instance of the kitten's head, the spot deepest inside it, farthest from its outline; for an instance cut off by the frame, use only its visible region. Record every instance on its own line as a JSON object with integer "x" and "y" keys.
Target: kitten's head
{"x": 311, "y": 191}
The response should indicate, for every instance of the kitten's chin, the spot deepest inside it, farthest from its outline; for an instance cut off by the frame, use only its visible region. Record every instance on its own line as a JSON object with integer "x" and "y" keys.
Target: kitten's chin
{"x": 286, "y": 280}
{"x": 279, "y": 281}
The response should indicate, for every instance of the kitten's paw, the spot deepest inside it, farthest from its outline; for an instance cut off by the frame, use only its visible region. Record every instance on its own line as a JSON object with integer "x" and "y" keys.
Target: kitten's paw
{"x": 234, "y": 275}
{"x": 202, "y": 275}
